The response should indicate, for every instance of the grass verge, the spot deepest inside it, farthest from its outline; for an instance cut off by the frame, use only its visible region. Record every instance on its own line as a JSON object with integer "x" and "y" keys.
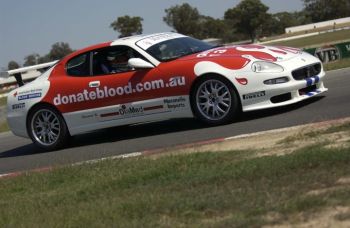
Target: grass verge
{"x": 318, "y": 134}
{"x": 344, "y": 63}
{"x": 3, "y": 101}
{"x": 4, "y": 126}
{"x": 223, "y": 189}
{"x": 323, "y": 29}
{"x": 331, "y": 37}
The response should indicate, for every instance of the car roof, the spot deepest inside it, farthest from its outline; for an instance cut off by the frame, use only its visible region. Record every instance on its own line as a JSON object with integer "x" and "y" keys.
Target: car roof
{"x": 129, "y": 41}
{"x": 132, "y": 40}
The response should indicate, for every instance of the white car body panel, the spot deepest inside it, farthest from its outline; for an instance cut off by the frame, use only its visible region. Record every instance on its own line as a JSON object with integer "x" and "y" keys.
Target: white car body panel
{"x": 19, "y": 103}
{"x": 136, "y": 112}
{"x": 253, "y": 95}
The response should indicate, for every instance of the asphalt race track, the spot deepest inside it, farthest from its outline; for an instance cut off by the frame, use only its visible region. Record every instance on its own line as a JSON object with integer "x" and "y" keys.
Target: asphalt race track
{"x": 18, "y": 154}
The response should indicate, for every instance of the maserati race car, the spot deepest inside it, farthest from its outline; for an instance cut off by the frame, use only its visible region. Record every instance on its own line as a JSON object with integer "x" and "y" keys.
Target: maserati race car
{"x": 156, "y": 77}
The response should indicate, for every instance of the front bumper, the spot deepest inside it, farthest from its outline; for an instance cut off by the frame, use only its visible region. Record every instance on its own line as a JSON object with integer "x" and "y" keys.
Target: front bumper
{"x": 293, "y": 91}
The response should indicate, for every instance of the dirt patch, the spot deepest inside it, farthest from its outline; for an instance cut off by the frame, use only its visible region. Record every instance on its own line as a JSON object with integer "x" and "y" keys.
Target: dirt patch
{"x": 329, "y": 217}
{"x": 342, "y": 183}
{"x": 275, "y": 142}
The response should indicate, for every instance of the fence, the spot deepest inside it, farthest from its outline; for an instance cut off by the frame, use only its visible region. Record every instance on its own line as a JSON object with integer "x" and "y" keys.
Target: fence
{"x": 331, "y": 52}
{"x": 313, "y": 26}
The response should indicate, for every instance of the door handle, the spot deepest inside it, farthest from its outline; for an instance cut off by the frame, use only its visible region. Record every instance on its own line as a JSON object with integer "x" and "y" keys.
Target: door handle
{"x": 94, "y": 84}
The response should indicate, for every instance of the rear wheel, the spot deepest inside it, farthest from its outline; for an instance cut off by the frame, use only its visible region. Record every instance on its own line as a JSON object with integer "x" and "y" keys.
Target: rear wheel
{"x": 214, "y": 100}
{"x": 47, "y": 128}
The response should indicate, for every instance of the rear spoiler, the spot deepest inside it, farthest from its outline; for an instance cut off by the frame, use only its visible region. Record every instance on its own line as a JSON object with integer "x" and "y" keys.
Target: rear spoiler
{"x": 17, "y": 73}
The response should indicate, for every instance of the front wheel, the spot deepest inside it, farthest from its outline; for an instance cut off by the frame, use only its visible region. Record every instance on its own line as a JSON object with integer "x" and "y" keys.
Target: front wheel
{"x": 47, "y": 128}
{"x": 214, "y": 100}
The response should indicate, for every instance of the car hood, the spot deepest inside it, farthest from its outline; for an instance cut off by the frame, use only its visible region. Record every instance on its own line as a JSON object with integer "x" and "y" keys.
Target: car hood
{"x": 251, "y": 52}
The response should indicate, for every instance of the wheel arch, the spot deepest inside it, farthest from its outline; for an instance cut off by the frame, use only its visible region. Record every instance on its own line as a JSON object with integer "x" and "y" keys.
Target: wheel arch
{"x": 43, "y": 104}
{"x": 206, "y": 75}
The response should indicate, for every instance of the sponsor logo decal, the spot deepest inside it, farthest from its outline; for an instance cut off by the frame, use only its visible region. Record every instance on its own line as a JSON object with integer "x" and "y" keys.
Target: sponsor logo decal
{"x": 347, "y": 47}
{"x": 106, "y": 92}
{"x": 175, "y": 103}
{"x": 254, "y": 95}
{"x": 18, "y": 106}
{"x": 29, "y": 96}
{"x": 131, "y": 111}
{"x": 328, "y": 53}
{"x": 125, "y": 111}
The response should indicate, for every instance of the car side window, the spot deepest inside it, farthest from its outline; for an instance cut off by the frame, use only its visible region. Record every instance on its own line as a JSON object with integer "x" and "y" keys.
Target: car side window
{"x": 113, "y": 60}
{"x": 79, "y": 65}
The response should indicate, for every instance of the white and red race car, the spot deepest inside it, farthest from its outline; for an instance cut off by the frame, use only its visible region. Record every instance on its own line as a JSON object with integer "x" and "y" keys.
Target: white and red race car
{"x": 156, "y": 77}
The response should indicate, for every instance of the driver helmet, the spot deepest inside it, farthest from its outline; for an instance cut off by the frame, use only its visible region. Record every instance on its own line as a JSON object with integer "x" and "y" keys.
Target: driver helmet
{"x": 111, "y": 56}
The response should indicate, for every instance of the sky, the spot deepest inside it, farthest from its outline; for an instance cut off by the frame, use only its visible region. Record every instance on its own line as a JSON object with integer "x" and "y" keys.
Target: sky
{"x": 32, "y": 26}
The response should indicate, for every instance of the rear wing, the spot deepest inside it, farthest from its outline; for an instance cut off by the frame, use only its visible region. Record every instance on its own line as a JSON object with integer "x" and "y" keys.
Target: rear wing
{"x": 24, "y": 73}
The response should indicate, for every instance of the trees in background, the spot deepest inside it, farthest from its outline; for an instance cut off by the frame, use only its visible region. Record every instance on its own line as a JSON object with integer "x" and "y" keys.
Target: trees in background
{"x": 322, "y": 10}
{"x": 187, "y": 20}
{"x": 184, "y": 19}
{"x": 248, "y": 20}
{"x": 58, "y": 51}
{"x": 215, "y": 28}
{"x": 127, "y": 26}
{"x": 238, "y": 22}
{"x": 277, "y": 22}
{"x": 31, "y": 59}
{"x": 12, "y": 65}
{"x": 248, "y": 17}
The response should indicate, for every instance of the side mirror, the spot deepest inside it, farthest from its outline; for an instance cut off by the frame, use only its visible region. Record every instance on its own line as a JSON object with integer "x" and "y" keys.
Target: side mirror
{"x": 138, "y": 63}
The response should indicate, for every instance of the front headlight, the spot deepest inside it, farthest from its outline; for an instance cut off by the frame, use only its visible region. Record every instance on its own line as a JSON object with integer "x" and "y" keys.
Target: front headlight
{"x": 266, "y": 67}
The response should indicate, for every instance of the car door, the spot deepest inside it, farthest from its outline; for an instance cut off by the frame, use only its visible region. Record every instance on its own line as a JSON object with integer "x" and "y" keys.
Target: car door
{"x": 97, "y": 94}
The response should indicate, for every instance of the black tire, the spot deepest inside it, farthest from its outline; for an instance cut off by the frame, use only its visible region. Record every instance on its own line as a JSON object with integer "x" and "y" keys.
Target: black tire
{"x": 47, "y": 128}
{"x": 214, "y": 100}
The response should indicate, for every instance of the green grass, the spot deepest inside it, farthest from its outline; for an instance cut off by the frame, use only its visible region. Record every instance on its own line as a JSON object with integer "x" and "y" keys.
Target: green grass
{"x": 339, "y": 26}
{"x": 345, "y": 127}
{"x": 331, "y": 37}
{"x": 204, "y": 189}
{"x": 344, "y": 63}
{"x": 4, "y": 127}
{"x": 3, "y": 101}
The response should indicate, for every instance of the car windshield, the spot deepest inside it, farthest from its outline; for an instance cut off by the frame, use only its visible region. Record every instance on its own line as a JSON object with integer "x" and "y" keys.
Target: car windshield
{"x": 175, "y": 48}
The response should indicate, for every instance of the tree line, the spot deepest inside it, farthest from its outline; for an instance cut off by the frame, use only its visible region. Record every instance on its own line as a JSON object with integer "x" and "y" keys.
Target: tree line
{"x": 247, "y": 20}
{"x": 58, "y": 51}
